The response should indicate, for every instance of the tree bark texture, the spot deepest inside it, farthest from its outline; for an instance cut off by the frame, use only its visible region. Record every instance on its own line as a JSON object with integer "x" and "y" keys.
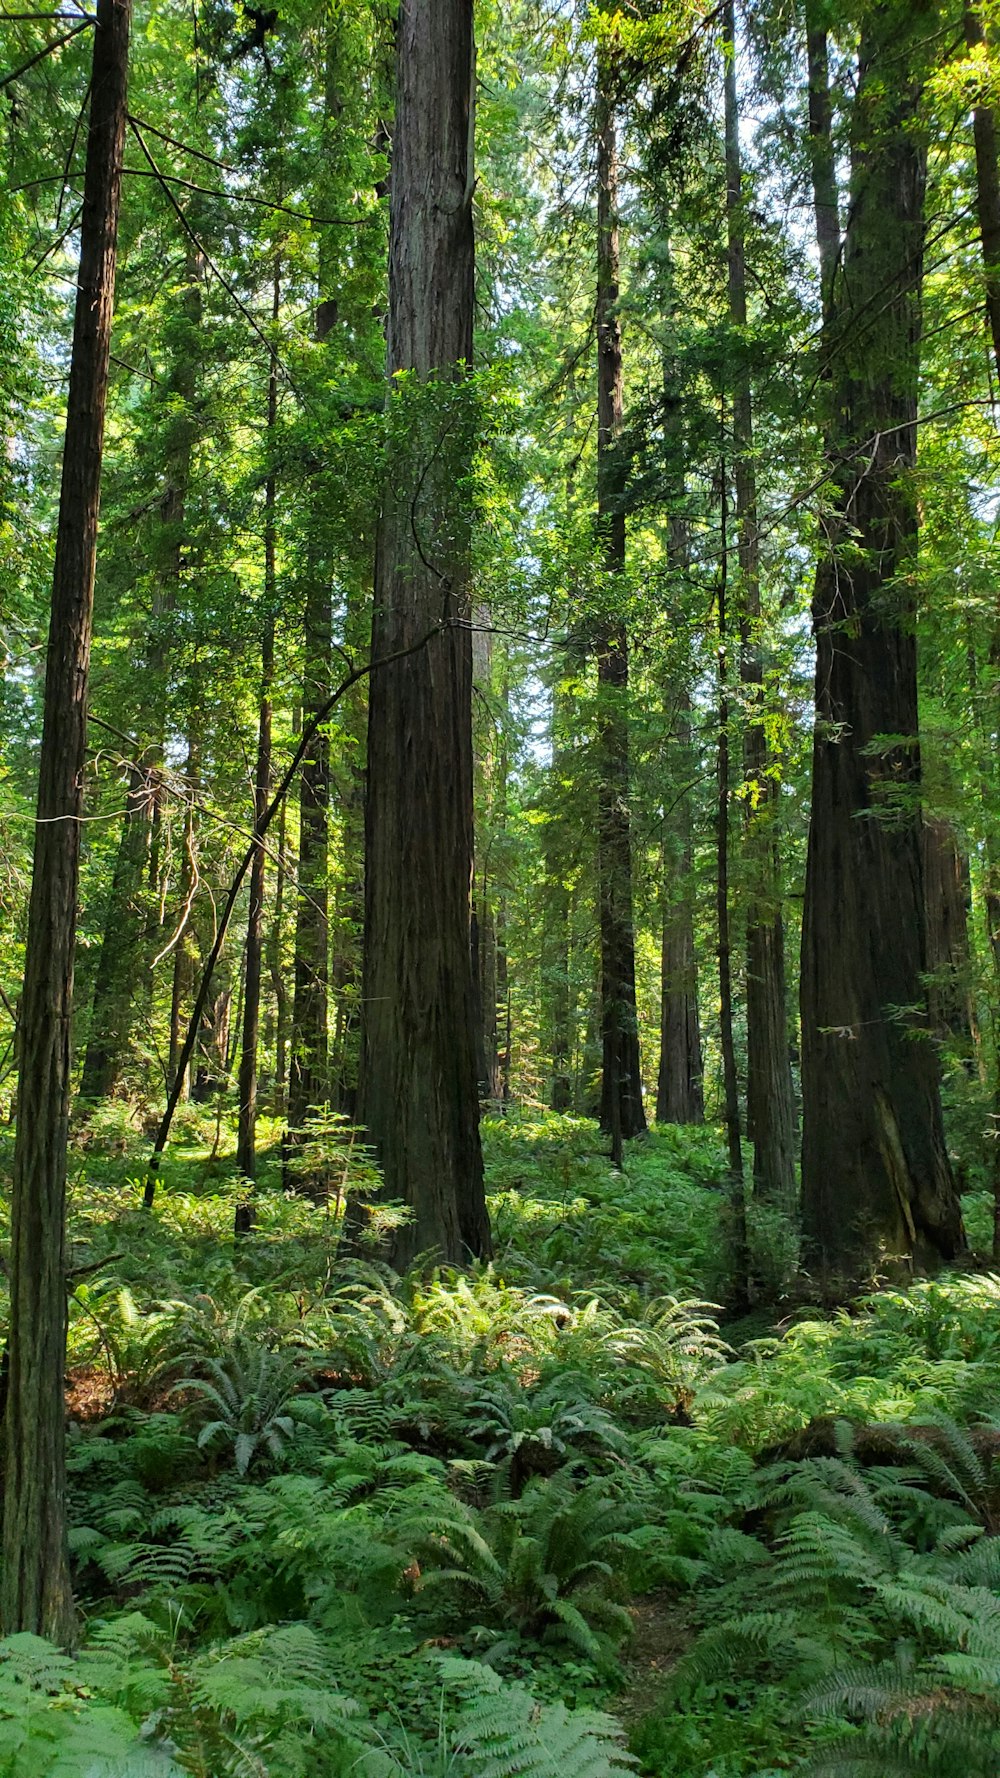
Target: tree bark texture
{"x": 876, "y": 1179}
{"x": 947, "y": 900}
{"x": 730, "y": 1078}
{"x": 622, "y": 1112}
{"x": 822, "y": 154}
{"x": 277, "y": 1035}
{"x": 770, "y": 1097}
{"x": 35, "y": 1591}
{"x": 679, "y": 1087}
{"x": 727, "y": 1043}
{"x": 419, "y": 1094}
{"x": 182, "y": 979}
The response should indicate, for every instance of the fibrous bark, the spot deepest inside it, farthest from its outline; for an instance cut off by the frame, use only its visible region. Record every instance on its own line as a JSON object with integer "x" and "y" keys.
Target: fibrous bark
{"x": 876, "y": 1179}
{"x": 770, "y": 1100}
{"x": 679, "y": 1088}
{"x": 418, "y": 1089}
{"x": 35, "y": 1590}
{"x": 727, "y": 1044}
{"x": 622, "y": 1112}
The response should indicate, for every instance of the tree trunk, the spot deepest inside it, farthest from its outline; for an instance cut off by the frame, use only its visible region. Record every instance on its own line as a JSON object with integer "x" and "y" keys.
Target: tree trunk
{"x": 770, "y": 1098}
{"x": 947, "y": 896}
{"x": 561, "y": 1093}
{"x": 737, "y": 1186}
{"x": 875, "y": 1174}
{"x": 558, "y": 849}
{"x": 418, "y": 1092}
{"x": 308, "y": 1068}
{"x": 730, "y": 1079}
{"x": 987, "y": 192}
{"x": 182, "y": 979}
{"x": 822, "y": 154}
{"x": 988, "y": 204}
{"x": 246, "y": 1157}
{"x": 120, "y": 959}
{"x": 35, "y": 1593}
{"x": 679, "y": 1087}
{"x": 622, "y": 1113}
{"x": 276, "y": 971}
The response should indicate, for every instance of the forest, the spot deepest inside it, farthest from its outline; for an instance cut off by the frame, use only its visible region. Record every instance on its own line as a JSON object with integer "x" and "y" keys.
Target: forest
{"x": 500, "y": 889}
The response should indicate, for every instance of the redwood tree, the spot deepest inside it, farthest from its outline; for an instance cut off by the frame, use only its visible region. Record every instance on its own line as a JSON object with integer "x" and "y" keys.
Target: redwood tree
{"x": 622, "y": 1112}
{"x": 875, "y": 1174}
{"x": 418, "y": 1087}
{"x": 36, "y": 1593}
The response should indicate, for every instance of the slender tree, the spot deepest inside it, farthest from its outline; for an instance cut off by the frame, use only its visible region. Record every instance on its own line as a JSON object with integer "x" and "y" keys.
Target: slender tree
{"x": 622, "y": 1112}
{"x": 680, "y": 1087}
{"x": 770, "y": 1100}
{"x": 246, "y": 1159}
{"x": 35, "y": 1590}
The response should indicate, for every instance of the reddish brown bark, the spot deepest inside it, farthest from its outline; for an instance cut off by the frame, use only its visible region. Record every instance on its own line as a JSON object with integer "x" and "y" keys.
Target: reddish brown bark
{"x": 36, "y": 1592}
{"x": 418, "y": 1088}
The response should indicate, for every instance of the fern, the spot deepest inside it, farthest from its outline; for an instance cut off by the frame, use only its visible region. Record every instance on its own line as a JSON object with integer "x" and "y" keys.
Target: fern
{"x": 554, "y": 1740}
{"x": 49, "y": 1729}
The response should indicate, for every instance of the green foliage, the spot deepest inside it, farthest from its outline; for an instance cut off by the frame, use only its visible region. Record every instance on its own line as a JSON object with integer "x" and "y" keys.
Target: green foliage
{"x": 317, "y": 1476}
{"x": 244, "y": 1400}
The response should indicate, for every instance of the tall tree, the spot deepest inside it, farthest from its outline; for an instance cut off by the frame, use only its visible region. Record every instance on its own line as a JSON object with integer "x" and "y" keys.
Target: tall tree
{"x": 418, "y": 1087}
{"x": 246, "y": 1159}
{"x": 680, "y": 1085}
{"x": 875, "y": 1173}
{"x": 727, "y": 1042}
{"x": 770, "y": 1100}
{"x": 35, "y": 1590}
{"x": 308, "y": 1062}
{"x": 622, "y": 1112}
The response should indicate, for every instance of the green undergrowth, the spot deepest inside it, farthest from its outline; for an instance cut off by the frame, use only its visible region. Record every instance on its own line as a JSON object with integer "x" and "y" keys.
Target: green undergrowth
{"x": 331, "y": 1521}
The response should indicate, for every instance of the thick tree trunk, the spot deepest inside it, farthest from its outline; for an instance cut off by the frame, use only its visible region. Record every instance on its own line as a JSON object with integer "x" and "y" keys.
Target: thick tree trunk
{"x": 622, "y": 1113}
{"x": 246, "y": 1157}
{"x": 770, "y": 1097}
{"x": 418, "y": 1094}
{"x": 35, "y": 1590}
{"x": 875, "y": 1172}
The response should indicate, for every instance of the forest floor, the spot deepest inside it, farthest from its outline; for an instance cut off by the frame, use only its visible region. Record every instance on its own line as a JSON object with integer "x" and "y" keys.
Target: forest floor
{"x": 549, "y": 1516}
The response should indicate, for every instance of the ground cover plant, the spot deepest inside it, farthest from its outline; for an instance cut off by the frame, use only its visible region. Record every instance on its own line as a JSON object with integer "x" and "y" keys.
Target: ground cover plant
{"x": 553, "y": 1514}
